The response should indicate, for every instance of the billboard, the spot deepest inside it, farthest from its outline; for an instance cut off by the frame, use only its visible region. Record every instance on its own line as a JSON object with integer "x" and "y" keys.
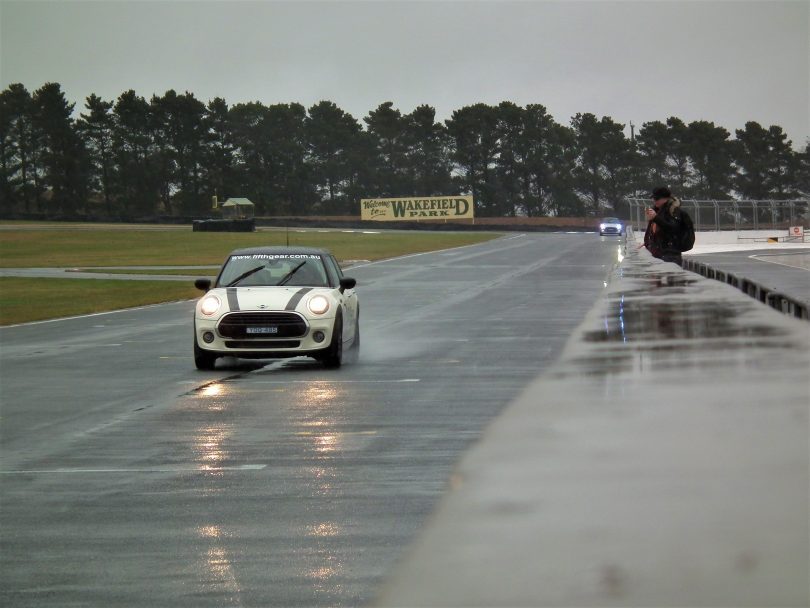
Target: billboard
{"x": 417, "y": 208}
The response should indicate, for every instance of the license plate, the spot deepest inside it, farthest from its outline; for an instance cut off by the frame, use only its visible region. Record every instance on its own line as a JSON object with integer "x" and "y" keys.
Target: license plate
{"x": 262, "y": 330}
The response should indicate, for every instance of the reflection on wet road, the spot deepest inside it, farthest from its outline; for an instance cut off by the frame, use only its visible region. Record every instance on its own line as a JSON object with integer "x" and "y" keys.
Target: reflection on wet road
{"x": 136, "y": 481}
{"x": 655, "y": 313}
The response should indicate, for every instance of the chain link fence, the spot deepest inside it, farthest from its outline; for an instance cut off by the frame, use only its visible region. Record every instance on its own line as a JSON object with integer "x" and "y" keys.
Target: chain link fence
{"x": 710, "y": 215}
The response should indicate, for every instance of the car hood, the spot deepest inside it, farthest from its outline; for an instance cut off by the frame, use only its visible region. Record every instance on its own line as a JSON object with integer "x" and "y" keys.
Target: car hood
{"x": 267, "y": 298}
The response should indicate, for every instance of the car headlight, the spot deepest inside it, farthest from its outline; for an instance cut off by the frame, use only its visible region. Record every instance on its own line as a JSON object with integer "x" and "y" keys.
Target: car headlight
{"x": 209, "y": 305}
{"x": 318, "y": 305}
{"x": 601, "y": 226}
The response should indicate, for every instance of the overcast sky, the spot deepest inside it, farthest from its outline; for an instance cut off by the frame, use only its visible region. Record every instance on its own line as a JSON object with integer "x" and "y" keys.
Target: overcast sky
{"x": 723, "y": 61}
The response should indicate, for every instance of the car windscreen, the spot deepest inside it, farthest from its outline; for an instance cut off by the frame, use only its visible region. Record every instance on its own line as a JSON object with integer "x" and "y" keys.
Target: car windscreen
{"x": 269, "y": 270}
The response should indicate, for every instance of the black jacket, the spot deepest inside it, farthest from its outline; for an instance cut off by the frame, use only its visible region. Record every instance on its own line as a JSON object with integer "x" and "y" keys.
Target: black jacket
{"x": 664, "y": 230}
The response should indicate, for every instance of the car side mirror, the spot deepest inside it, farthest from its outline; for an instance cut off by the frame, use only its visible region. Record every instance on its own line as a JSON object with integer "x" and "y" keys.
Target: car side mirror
{"x": 203, "y": 284}
{"x": 347, "y": 283}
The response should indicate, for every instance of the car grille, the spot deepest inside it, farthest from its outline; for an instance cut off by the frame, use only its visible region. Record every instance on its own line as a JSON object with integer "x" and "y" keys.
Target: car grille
{"x": 269, "y": 344}
{"x": 611, "y": 230}
{"x": 262, "y": 325}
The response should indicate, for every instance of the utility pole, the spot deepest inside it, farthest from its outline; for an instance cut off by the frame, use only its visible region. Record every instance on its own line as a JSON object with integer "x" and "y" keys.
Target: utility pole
{"x": 633, "y": 143}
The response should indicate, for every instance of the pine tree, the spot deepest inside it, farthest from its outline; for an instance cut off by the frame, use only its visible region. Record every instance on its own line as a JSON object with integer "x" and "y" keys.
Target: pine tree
{"x": 474, "y": 135}
{"x": 427, "y": 159}
{"x": 180, "y": 135}
{"x": 63, "y": 154}
{"x": 219, "y": 152}
{"x": 8, "y": 154}
{"x": 96, "y": 127}
{"x": 22, "y": 149}
{"x": 709, "y": 151}
{"x": 331, "y": 135}
{"x": 138, "y": 176}
{"x": 387, "y": 128}
{"x": 604, "y": 170}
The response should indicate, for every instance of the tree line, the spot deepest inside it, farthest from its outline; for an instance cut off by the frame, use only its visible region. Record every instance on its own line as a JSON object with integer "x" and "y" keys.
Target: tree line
{"x": 132, "y": 158}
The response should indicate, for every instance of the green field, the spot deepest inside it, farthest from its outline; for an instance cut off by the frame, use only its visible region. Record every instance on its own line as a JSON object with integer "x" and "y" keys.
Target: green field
{"x": 23, "y": 300}
{"x": 209, "y": 271}
{"x": 27, "y": 245}
{"x": 24, "y": 246}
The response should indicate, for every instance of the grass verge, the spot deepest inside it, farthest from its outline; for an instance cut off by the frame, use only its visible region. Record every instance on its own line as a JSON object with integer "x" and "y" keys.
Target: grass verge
{"x": 179, "y": 246}
{"x": 210, "y": 271}
{"x": 23, "y": 300}
{"x": 29, "y": 246}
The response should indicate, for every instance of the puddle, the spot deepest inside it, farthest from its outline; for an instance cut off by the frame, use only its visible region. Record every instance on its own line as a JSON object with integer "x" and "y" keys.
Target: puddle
{"x": 661, "y": 284}
{"x": 632, "y": 320}
{"x": 653, "y": 318}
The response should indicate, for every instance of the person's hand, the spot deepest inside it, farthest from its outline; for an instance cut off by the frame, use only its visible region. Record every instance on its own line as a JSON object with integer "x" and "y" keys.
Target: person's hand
{"x": 650, "y": 214}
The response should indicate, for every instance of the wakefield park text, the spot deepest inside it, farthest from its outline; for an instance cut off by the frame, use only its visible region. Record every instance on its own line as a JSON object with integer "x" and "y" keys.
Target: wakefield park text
{"x": 386, "y": 209}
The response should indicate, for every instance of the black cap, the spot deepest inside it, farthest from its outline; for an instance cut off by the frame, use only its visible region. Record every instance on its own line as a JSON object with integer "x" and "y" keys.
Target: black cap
{"x": 662, "y": 192}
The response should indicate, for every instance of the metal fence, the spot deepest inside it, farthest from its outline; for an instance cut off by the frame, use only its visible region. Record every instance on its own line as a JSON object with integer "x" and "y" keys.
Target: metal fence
{"x": 734, "y": 214}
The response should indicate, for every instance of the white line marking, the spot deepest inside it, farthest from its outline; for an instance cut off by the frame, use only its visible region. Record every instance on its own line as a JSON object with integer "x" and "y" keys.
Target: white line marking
{"x": 761, "y": 258}
{"x": 200, "y": 469}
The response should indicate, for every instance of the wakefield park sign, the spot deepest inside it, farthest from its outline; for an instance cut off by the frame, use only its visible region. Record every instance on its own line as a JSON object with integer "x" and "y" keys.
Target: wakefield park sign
{"x": 435, "y": 207}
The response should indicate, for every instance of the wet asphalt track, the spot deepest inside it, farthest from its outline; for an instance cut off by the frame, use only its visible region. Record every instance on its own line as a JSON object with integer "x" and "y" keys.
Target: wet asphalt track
{"x": 130, "y": 479}
{"x": 768, "y": 267}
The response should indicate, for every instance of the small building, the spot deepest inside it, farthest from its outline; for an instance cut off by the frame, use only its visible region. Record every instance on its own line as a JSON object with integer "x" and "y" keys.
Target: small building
{"x": 237, "y": 216}
{"x": 238, "y": 209}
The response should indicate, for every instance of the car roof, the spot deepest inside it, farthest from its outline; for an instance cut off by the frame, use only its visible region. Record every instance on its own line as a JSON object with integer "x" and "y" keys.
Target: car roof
{"x": 611, "y": 219}
{"x": 280, "y": 251}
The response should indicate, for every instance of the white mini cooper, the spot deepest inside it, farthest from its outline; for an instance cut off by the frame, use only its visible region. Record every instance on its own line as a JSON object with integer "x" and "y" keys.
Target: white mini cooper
{"x": 276, "y": 302}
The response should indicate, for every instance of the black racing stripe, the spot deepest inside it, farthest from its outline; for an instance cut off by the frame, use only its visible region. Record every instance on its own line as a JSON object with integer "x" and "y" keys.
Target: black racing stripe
{"x": 233, "y": 301}
{"x": 293, "y": 303}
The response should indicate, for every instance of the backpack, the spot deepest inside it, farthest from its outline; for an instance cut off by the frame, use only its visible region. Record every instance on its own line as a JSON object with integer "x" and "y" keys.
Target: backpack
{"x": 686, "y": 238}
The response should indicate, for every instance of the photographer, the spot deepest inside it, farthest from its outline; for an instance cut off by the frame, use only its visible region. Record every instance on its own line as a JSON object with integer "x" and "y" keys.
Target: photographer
{"x": 664, "y": 226}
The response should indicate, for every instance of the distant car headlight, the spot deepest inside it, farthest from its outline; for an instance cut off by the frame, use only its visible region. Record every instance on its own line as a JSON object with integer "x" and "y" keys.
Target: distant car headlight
{"x": 209, "y": 305}
{"x": 601, "y": 226}
{"x": 318, "y": 305}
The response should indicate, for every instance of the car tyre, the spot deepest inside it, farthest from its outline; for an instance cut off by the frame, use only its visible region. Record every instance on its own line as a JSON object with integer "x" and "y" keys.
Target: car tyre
{"x": 203, "y": 359}
{"x": 354, "y": 354}
{"x": 334, "y": 354}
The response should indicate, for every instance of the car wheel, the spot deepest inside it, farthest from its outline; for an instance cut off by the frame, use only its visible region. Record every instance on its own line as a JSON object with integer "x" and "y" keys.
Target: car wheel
{"x": 334, "y": 354}
{"x": 203, "y": 359}
{"x": 354, "y": 354}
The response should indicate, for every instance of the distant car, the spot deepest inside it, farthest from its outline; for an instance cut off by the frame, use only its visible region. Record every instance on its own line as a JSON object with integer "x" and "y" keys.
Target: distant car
{"x": 611, "y": 225}
{"x": 277, "y": 302}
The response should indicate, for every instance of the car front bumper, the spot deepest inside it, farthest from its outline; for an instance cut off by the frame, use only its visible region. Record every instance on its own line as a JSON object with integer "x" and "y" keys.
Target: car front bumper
{"x": 263, "y": 346}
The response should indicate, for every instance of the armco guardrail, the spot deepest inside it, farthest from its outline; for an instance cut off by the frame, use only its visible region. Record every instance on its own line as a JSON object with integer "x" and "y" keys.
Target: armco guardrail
{"x": 776, "y": 300}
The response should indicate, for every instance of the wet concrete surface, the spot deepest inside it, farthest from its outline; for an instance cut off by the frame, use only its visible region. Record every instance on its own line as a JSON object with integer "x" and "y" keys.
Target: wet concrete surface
{"x": 663, "y": 461}
{"x": 128, "y": 478}
{"x": 776, "y": 269}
